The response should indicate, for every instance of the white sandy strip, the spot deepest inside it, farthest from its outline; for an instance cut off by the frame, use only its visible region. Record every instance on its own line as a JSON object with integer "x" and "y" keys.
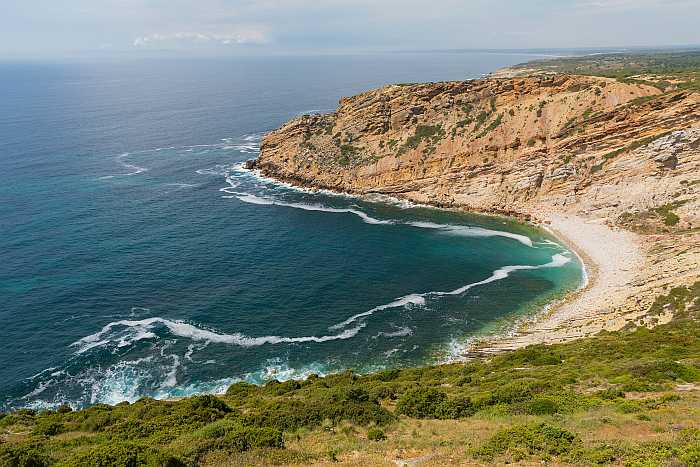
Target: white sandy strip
{"x": 612, "y": 258}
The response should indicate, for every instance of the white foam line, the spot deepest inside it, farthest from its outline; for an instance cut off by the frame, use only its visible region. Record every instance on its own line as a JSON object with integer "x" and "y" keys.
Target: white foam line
{"x": 466, "y": 231}
{"x": 135, "y": 168}
{"x": 253, "y": 199}
{"x": 449, "y": 229}
{"x": 558, "y": 260}
{"x": 143, "y": 328}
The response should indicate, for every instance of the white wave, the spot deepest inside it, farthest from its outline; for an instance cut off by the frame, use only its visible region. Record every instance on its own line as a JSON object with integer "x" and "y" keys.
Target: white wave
{"x": 192, "y": 348}
{"x": 52, "y": 368}
{"x": 171, "y": 377}
{"x": 467, "y": 231}
{"x": 558, "y": 260}
{"x": 253, "y": 199}
{"x": 181, "y": 185}
{"x": 247, "y": 144}
{"x": 412, "y": 299}
{"x": 135, "y": 169}
{"x": 449, "y": 229}
{"x": 400, "y": 332}
{"x": 232, "y": 185}
{"x": 131, "y": 330}
{"x": 275, "y": 368}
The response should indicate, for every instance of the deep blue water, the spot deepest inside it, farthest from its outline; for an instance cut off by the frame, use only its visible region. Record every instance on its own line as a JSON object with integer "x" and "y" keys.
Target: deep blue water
{"x": 138, "y": 258}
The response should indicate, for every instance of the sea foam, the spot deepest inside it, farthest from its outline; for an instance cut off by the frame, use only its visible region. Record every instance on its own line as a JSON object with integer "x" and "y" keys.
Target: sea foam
{"x": 129, "y": 331}
{"x": 557, "y": 260}
{"x": 449, "y": 229}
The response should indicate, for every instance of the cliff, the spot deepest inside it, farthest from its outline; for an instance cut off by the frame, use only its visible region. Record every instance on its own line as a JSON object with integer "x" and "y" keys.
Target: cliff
{"x": 622, "y": 153}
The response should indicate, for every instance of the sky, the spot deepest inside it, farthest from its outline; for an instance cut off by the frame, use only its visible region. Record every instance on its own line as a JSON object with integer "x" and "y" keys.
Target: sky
{"x": 57, "y": 28}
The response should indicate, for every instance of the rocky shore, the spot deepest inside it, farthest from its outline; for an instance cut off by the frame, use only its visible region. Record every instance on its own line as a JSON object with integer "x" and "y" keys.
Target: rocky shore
{"x": 611, "y": 167}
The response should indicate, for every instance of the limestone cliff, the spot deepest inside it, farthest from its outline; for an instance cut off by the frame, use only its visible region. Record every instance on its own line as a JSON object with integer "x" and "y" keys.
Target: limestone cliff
{"x": 626, "y": 153}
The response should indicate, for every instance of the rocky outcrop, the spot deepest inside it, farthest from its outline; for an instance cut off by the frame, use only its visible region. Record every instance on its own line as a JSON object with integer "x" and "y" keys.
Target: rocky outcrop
{"x": 487, "y": 145}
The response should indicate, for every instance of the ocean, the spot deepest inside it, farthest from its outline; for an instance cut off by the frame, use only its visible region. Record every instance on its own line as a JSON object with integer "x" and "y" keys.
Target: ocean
{"x": 139, "y": 258}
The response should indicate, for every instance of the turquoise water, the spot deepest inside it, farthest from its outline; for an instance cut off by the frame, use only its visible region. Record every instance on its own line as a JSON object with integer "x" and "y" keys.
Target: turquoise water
{"x": 139, "y": 258}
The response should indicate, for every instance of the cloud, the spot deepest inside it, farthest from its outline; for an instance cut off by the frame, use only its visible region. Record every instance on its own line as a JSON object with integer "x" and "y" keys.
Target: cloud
{"x": 250, "y": 35}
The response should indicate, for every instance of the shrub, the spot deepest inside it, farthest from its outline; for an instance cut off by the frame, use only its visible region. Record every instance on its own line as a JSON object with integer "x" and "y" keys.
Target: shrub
{"x": 432, "y": 403}
{"x": 421, "y": 402}
{"x": 611, "y": 394}
{"x": 526, "y": 440}
{"x": 536, "y": 355}
{"x": 375, "y": 434}
{"x": 23, "y": 455}
{"x": 664, "y": 370}
{"x": 386, "y": 375}
{"x": 293, "y": 414}
{"x": 356, "y": 394}
{"x": 432, "y": 133}
{"x": 542, "y": 406}
{"x": 121, "y": 455}
{"x": 515, "y": 392}
{"x": 240, "y": 390}
{"x": 276, "y": 388}
{"x": 48, "y": 427}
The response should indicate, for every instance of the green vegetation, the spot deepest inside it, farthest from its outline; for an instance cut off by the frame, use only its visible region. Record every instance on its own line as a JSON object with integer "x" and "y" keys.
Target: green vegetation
{"x": 648, "y": 221}
{"x": 540, "y": 108}
{"x": 669, "y": 217}
{"x": 481, "y": 119}
{"x": 348, "y": 152}
{"x": 491, "y": 126}
{"x": 375, "y": 434}
{"x": 431, "y": 133}
{"x": 540, "y": 404}
{"x": 673, "y": 69}
{"x": 523, "y": 441}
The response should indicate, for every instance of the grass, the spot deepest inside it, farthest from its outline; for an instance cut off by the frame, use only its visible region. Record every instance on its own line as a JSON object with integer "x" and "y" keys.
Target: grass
{"x": 588, "y": 401}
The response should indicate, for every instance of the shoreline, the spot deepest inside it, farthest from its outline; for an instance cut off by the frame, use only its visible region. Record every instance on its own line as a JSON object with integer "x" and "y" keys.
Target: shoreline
{"x": 608, "y": 257}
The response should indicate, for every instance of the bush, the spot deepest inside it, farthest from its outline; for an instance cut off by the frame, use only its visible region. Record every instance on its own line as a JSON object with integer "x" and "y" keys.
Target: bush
{"x": 240, "y": 390}
{"x": 421, "y": 402}
{"x": 522, "y": 441}
{"x": 48, "y": 427}
{"x": 228, "y": 435}
{"x": 23, "y": 455}
{"x": 385, "y": 375}
{"x": 611, "y": 394}
{"x": 664, "y": 370}
{"x": 356, "y": 395}
{"x": 542, "y": 406}
{"x": 121, "y": 455}
{"x": 433, "y": 403}
{"x": 536, "y": 355}
{"x": 375, "y": 434}
{"x": 293, "y": 414}
{"x": 516, "y": 392}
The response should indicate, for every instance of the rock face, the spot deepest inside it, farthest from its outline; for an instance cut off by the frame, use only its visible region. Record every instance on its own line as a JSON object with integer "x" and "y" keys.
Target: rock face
{"x": 621, "y": 153}
{"x": 486, "y": 145}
